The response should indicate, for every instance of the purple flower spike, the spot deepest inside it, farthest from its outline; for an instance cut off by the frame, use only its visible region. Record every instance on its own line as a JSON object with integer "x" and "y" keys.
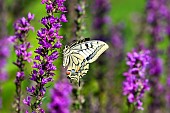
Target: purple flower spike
{"x": 157, "y": 12}
{"x": 158, "y": 23}
{"x": 60, "y": 97}
{"x": 101, "y": 8}
{"x": 136, "y": 84}
{"x": 49, "y": 42}
{"x": 4, "y": 53}
{"x": 22, "y": 27}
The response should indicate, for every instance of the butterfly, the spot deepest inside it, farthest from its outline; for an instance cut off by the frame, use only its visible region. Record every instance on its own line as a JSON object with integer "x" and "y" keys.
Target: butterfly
{"x": 80, "y": 54}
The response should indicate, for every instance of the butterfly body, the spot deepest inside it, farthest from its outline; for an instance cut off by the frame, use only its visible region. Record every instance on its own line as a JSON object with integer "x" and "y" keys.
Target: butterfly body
{"x": 80, "y": 54}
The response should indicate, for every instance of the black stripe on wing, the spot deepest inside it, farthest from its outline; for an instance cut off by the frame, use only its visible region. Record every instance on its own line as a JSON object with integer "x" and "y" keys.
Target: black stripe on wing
{"x": 81, "y": 72}
{"x": 76, "y": 58}
{"x": 94, "y": 53}
{"x": 75, "y": 42}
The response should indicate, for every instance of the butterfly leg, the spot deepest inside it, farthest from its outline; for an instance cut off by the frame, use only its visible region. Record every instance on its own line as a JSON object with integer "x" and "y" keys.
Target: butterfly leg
{"x": 78, "y": 80}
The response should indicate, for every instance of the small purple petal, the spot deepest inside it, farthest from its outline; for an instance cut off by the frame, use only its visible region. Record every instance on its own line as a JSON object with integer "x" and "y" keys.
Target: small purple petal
{"x": 63, "y": 18}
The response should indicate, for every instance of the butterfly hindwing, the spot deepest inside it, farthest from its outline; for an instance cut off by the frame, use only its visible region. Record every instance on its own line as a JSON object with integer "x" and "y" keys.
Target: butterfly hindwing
{"x": 78, "y": 72}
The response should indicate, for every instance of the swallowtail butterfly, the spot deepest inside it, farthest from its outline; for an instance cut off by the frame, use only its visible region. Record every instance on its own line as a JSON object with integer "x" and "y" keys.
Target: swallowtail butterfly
{"x": 80, "y": 54}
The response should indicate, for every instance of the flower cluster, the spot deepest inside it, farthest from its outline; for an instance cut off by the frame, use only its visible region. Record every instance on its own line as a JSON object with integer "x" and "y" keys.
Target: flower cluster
{"x": 79, "y": 21}
{"x": 155, "y": 71}
{"x": 60, "y": 97}
{"x": 168, "y": 23}
{"x": 156, "y": 67}
{"x": 102, "y": 21}
{"x": 101, "y": 8}
{"x": 49, "y": 41}
{"x": 53, "y": 6}
{"x": 117, "y": 41}
{"x": 167, "y": 89}
{"x": 105, "y": 30}
{"x": 136, "y": 84}
{"x": 157, "y": 11}
{"x": 22, "y": 27}
{"x": 4, "y": 53}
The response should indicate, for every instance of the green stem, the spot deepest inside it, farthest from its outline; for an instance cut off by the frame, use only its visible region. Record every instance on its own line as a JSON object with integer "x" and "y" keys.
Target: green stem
{"x": 80, "y": 11}
{"x": 78, "y": 99}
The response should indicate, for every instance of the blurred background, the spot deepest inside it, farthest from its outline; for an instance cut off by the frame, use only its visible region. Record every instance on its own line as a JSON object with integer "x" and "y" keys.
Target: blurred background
{"x": 124, "y": 25}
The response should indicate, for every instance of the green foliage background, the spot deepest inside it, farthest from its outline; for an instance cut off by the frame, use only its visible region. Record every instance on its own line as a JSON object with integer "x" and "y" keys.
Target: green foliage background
{"x": 127, "y": 12}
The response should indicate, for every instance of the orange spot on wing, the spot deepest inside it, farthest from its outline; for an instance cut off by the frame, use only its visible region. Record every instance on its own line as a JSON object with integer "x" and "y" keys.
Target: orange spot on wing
{"x": 78, "y": 69}
{"x": 68, "y": 72}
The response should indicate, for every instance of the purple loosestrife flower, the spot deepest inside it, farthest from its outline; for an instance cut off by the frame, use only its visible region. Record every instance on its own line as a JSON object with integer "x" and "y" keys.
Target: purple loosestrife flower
{"x": 167, "y": 87}
{"x": 156, "y": 67}
{"x": 136, "y": 84}
{"x": 167, "y": 95}
{"x": 100, "y": 19}
{"x": 117, "y": 42}
{"x": 49, "y": 41}
{"x": 22, "y": 27}
{"x": 101, "y": 22}
{"x": 168, "y": 24}
{"x": 100, "y": 8}
{"x": 157, "y": 12}
{"x": 60, "y": 97}
{"x": 104, "y": 30}
{"x": 79, "y": 21}
{"x": 4, "y": 53}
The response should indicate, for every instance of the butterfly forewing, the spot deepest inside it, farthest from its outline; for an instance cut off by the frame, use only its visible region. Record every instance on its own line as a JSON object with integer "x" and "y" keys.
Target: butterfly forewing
{"x": 90, "y": 50}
